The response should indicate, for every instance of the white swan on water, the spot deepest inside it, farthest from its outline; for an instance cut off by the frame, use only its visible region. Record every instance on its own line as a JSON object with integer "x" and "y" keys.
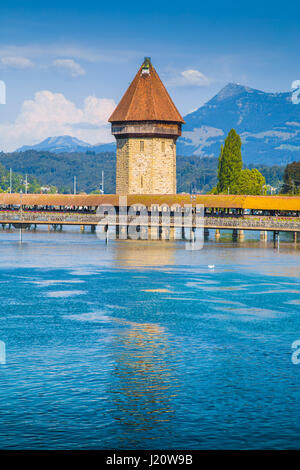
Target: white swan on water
{"x": 211, "y": 266}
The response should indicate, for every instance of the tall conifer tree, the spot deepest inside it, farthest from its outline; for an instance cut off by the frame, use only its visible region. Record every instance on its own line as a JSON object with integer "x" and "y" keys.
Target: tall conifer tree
{"x": 230, "y": 162}
{"x": 220, "y": 162}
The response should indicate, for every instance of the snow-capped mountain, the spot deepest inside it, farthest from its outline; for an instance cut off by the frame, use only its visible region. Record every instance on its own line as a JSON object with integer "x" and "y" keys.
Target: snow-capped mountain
{"x": 66, "y": 143}
{"x": 268, "y": 123}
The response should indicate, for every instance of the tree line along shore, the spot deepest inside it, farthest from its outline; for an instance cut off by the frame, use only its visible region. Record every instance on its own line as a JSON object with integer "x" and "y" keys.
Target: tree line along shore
{"x": 55, "y": 172}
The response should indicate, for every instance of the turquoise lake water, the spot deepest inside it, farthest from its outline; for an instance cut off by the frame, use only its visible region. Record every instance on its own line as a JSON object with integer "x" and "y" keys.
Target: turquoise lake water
{"x": 139, "y": 345}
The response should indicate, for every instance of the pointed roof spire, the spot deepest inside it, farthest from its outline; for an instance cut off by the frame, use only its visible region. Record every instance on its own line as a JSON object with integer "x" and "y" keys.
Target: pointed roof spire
{"x": 146, "y": 99}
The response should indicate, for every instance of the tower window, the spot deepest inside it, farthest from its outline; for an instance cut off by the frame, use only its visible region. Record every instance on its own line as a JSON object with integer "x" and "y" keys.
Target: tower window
{"x": 142, "y": 146}
{"x": 142, "y": 181}
{"x": 163, "y": 146}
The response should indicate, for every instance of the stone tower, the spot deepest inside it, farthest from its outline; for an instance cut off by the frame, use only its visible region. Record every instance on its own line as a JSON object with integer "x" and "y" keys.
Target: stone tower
{"x": 146, "y": 125}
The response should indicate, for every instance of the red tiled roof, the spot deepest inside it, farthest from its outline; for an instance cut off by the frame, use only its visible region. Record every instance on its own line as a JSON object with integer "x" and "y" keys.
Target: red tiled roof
{"x": 146, "y": 99}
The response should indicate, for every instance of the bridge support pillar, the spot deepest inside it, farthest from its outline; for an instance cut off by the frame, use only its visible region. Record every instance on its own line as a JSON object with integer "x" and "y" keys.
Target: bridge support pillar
{"x": 234, "y": 234}
{"x": 295, "y": 237}
{"x": 122, "y": 233}
{"x": 60, "y": 227}
{"x": 217, "y": 234}
{"x": 192, "y": 234}
{"x": 49, "y": 227}
{"x": 188, "y": 234}
{"x": 144, "y": 233}
{"x": 34, "y": 227}
{"x": 172, "y": 233}
{"x": 182, "y": 233}
{"x": 206, "y": 233}
{"x": 93, "y": 228}
{"x": 3, "y": 226}
{"x": 276, "y": 238}
{"x": 82, "y": 228}
{"x": 263, "y": 235}
{"x": 164, "y": 234}
{"x": 154, "y": 233}
{"x": 241, "y": 235}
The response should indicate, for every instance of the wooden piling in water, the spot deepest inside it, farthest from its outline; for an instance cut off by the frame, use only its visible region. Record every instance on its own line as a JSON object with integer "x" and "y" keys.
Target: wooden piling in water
{"x": 263, "y": 235}
{"x": 295, "y": 237}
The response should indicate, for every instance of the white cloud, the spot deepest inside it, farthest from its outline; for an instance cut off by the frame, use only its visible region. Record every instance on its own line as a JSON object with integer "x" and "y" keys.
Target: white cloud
{"x": 16, "y": 62}
{"x": 194, "y": 77}
{"x": 73, "y": 51}
{"x": 295, "y": 85}
{"x": 69, "y": 66}
{"x": 189, "y": 78}
{"x": 291, "y": 148}
{"x": 52, "y": 114}
{"x": 293, "y": 123}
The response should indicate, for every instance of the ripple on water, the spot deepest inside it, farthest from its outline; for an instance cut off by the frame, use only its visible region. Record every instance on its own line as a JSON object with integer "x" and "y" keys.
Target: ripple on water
{"x": 53, "y": 282}
{"x": 200, "y": 282}
{"x": 65, "y": 293}
{"x": 252, "y": 312}
{"x": 116, "y": 307}
{"x": 100, "y": 316}
{"x": 205, "y": 287}
{"x": 159, "y": 291}
{"x": 276, "y": 291}
{"x": 293, "y": 302}
{"x": 223, "y": 301}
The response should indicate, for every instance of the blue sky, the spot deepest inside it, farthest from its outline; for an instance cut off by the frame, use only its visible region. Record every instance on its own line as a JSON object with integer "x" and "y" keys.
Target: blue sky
{"x": 66, "y": 64}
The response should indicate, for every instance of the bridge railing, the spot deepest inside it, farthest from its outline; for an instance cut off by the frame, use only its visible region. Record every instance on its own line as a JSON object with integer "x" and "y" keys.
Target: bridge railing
{"x": 241, "y": 222}
{"x": 251, "y": 223}
{"x": 49, "y": 217}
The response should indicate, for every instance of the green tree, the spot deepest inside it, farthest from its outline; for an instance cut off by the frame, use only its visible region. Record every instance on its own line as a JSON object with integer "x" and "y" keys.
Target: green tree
{"x": 249, "y": 182}
{"x": 220, "y": 160}
{"x": 230, "y": 162}
{"x": 18, "y": 182}
{"x": 291, "y": 179}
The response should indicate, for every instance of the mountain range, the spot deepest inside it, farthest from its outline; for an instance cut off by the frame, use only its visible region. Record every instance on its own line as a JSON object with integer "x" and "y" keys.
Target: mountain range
{"x": 66, "y": 143}
{"x": 268, "y": 123}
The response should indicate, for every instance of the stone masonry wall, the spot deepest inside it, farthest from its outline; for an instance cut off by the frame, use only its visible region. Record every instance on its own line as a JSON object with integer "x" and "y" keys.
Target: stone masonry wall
{"x": 148, "y": 170}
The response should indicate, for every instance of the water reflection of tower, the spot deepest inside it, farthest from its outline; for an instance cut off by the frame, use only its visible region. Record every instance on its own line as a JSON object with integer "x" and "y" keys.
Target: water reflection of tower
{"x": 145, "y": 253}
{"x": 143, "y": 386}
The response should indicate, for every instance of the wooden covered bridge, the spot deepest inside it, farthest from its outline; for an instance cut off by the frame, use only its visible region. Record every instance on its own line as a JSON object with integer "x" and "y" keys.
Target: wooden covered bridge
{"x": 238, "y": 213}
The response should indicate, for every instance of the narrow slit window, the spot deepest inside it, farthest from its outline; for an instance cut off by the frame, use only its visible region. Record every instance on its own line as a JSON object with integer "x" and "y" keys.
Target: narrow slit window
{"x": 142, "y": 181}
{"x": 142, "y": 146}
{"x": 163, "y": 146}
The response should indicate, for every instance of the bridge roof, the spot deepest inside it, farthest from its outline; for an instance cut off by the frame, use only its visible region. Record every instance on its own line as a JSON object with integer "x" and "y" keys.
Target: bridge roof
{"x": 283, "y": 203}
{"x": 57, "y": 199}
